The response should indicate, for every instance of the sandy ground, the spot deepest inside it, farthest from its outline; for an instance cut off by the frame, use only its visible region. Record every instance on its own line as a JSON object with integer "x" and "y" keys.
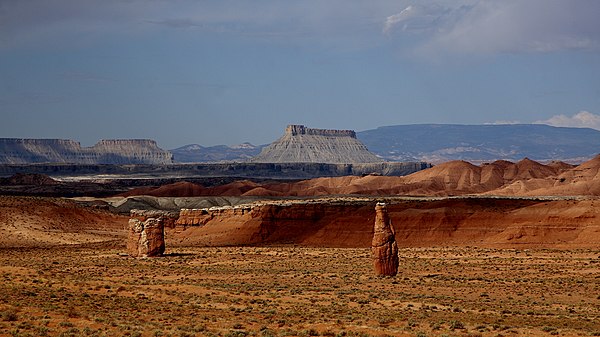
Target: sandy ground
{"x": 35, "y": 222}
{"x": 289, "y": 291}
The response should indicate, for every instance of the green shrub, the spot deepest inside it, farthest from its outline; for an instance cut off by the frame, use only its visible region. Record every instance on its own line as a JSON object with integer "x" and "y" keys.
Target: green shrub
{"x": 10, "y": 315}
{"x": 456, "y": 325}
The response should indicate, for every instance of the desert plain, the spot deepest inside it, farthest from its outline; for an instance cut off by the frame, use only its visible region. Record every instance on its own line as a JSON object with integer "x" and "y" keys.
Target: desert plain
{"x": 516, "y": 255}
{"x": 94, "y": 290}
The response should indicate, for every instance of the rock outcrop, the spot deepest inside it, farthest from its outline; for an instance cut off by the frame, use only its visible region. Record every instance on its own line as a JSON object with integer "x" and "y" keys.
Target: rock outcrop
{"x": 146, "y": 234}
{"x": 384, "y": 248}
{"x": 300, "y": 144}
{"x": 420, "y": 222}
{"x": 118, "y": 151}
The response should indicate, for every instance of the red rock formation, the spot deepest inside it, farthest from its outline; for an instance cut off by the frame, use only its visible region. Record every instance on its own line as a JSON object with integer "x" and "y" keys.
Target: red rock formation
{"x": 146, "y": 235}
{"x": 484, "y": 222}
{"x": 330, "y": 224}
{"x": 383, "y": 247}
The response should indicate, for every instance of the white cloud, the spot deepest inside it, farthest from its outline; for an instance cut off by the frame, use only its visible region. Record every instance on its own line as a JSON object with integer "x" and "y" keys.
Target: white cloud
{"x": 423, "y": 18}
{"x": 395, "y": 19}
{"x": 507, "y": 26}
{"x": 583, "y": 119}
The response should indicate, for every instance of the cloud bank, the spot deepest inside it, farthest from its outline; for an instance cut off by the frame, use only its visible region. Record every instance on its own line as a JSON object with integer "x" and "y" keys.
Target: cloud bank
{"x": 433, "y": 26}
{"x": 508, "y": 26}
{"x": 582, "y": 119}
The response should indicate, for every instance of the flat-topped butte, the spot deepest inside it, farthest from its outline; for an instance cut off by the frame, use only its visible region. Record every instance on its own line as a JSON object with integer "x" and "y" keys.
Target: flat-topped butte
{"x": 300, "y": 144}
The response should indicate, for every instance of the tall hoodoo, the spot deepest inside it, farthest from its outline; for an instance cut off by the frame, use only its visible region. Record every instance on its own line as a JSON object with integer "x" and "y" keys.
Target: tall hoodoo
{"x": 384, "y": 249}
{"x": 300, "y": 144}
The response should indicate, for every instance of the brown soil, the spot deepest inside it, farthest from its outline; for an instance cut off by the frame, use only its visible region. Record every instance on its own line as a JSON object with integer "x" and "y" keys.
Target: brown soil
{"x": 290, "y": 291}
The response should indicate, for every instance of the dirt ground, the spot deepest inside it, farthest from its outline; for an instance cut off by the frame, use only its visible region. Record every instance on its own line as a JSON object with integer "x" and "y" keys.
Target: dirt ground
{"x": 95, "y": 290}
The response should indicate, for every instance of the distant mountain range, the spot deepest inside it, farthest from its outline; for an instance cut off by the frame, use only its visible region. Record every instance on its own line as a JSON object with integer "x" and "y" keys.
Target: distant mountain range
{"x": 438, "y": 143}
{"x": 195, "y": 153}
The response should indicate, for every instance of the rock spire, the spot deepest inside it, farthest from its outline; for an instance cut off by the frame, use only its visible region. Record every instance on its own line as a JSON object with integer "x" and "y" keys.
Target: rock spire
{"x": 384, "y": 249}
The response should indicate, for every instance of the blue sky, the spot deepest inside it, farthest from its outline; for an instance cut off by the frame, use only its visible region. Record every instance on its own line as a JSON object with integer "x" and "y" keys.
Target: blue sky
{"x": 230, "y": 71}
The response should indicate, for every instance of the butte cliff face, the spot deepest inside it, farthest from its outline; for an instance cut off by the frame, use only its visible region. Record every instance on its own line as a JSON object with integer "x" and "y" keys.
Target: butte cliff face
{"x": 118, "y": 151}
{"x": 425, "y": 222}
{"x": 300, "y": 144}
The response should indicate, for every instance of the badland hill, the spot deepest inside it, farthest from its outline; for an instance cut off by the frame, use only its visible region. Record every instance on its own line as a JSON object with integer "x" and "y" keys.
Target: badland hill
{"x": 523, "y": 178}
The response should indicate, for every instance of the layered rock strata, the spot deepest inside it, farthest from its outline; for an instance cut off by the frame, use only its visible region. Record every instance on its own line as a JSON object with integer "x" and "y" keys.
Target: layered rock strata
{"x": 420, "y": 222}
{"x": 300, "y": 144}
{"x": 243, "y": 170}
{"x": 117, "y": 151}
{"x": 146, "y": 234}
{"x": 384, "y": 249}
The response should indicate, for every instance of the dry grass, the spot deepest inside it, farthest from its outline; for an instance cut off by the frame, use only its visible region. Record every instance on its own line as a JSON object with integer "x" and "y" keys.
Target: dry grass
{"x": 289, "y": 291}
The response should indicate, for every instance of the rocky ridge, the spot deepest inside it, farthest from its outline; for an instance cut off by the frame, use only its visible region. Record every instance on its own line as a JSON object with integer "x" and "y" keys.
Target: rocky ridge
{"x": 300, "y": 144}
{"x": 348, "y": 222}
{"x": 114, "y": 151}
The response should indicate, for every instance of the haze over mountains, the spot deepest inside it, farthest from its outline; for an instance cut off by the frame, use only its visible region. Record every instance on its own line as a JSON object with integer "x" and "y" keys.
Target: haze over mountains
{"x": 195, "y": 153}
{"x": 433, "y": 143}
{"x": 438, "y": 143}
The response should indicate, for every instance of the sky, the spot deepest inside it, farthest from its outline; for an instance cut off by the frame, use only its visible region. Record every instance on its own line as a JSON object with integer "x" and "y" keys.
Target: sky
{"x": 232, "y": 71}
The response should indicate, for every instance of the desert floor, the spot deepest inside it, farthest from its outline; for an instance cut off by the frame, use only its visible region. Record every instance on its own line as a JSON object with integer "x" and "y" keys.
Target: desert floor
{"x": 96, "y": 290}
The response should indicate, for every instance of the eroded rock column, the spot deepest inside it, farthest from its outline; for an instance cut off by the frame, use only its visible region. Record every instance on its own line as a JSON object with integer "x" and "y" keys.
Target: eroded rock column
{"x": 146, "y": 236}
{"x": 384, "y": 249}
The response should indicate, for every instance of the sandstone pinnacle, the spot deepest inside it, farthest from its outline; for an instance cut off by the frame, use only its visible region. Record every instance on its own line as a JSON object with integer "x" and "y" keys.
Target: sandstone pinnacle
{"x": 384, "y": 249}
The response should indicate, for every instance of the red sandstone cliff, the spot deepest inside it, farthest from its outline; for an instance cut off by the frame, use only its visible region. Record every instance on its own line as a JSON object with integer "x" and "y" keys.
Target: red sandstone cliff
{"x": 468, "y": 221}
